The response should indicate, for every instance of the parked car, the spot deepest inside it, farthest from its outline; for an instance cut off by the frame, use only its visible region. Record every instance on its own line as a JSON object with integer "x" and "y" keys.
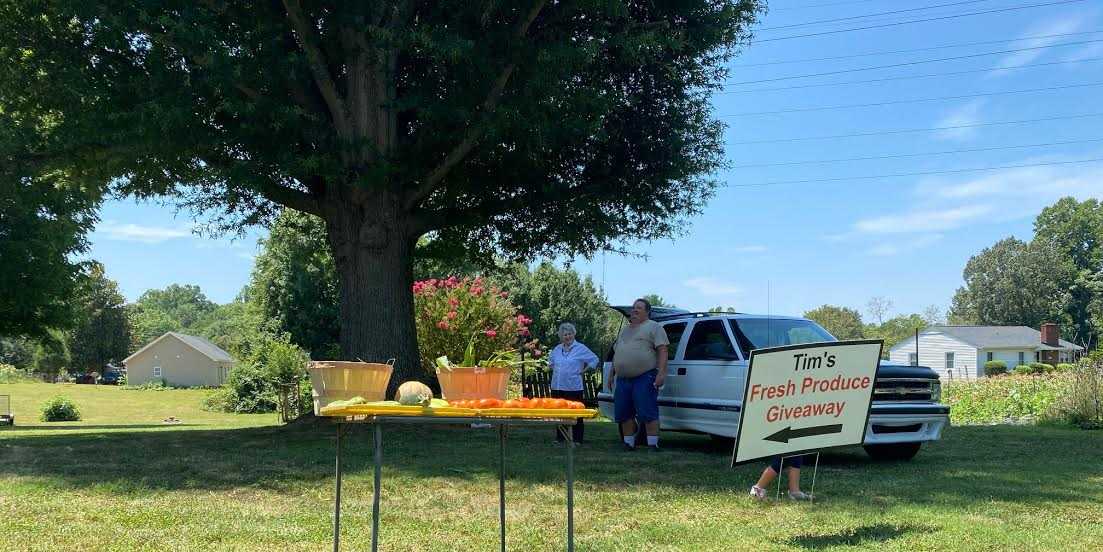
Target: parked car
{"x": 111, "y": 378}
{"x": 707, "y": 369}
{"x": 89, "y": 378}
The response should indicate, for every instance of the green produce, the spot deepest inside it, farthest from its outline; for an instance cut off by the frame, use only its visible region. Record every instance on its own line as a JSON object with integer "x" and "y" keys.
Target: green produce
{"x": 414, "y": 393}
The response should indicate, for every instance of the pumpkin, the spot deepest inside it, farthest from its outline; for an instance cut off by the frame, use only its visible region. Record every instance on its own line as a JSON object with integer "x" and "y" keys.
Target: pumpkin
{"x": 414, "y": 393}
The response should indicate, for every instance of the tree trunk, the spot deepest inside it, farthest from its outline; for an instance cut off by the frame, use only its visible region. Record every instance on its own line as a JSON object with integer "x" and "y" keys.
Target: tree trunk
{"x": 373, "y": 251}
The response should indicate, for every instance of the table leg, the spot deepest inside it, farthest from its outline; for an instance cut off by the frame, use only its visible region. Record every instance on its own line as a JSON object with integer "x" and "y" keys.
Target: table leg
{"x": 337, "y": 500}
{"x": 377, "y": 489}
{"x": 502, "y": 483}
{"x": 569, "y": 440}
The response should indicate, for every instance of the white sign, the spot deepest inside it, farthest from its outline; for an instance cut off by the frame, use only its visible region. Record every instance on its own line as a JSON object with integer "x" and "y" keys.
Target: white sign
{"x": 803, "y": 398}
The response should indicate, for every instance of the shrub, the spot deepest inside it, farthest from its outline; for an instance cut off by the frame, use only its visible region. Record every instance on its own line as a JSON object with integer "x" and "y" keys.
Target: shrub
{"x": 151, "y": 385}
{"x": 995, "y": 367}
{"x": 1024, "y": 370}
{"x": 60, "y": 409}
{"x": 247, "y": 390}
{"x": 11, "y": 374}
{"x": 451, "y": 313}
{"x": 283, "y": 361}
{"x": 1040, "y": 367}
{"x": 1081, "y": 400}
{"x": 1064, "y": 367}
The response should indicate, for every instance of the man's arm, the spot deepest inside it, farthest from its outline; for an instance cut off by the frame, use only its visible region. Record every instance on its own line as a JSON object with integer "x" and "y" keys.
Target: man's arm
{"x": 660, "y": 353}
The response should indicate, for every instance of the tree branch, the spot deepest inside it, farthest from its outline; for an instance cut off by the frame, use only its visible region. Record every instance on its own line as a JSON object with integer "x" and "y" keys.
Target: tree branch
{"x": 289, "y": 197}
{"x": 318, "y": 67}
{"x": 476, "y": 131}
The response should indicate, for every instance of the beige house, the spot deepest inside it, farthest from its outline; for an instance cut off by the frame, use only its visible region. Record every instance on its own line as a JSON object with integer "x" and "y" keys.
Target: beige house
{"x": 179, "y": 360}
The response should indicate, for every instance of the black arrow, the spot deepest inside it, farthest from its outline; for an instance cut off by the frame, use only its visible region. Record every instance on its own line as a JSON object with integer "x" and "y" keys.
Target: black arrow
{"x": 784, "y": 435}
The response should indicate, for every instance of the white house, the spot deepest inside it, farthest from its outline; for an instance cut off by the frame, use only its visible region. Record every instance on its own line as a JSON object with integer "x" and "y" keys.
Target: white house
{"x": 961, "y": 351}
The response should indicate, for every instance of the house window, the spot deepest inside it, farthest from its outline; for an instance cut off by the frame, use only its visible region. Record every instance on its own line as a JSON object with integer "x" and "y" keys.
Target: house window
{"x": 949, "y": 361}
{"x": 913, "y": 359}
{"x": 156, "y": 371}
{"x": 1022, "y": 357}
{"x": 989, "y": 356}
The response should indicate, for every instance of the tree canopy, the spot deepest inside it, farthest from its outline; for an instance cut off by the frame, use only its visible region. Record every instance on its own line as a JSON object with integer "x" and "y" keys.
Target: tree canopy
{"x": 515, "y": 128}
{"x": 841, "y": 322}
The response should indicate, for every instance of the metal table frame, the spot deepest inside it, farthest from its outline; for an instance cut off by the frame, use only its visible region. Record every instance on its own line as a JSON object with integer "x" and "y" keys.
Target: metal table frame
{"x": 563, "y": 424}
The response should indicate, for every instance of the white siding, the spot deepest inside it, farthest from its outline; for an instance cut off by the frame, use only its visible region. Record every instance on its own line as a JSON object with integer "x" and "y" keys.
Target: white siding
{"x": 932, "y": 354}
{"x": 1009, "y": 356}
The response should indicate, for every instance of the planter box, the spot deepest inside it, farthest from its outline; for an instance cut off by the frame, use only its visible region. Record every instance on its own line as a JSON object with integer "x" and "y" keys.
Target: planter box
{"x": 473, "y": 383}
{"x": 337, "y": 381}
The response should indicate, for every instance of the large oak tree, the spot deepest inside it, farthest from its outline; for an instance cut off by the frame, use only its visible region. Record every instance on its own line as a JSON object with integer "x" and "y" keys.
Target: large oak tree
{"x": 521, "y": 127}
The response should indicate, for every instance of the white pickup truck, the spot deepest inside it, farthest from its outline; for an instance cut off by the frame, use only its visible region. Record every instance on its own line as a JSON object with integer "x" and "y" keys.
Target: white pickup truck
{"x": 707, "y": 370}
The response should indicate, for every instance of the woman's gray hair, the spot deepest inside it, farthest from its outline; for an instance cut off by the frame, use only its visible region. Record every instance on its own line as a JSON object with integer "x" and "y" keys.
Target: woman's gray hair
{"x": 566, "y": 328}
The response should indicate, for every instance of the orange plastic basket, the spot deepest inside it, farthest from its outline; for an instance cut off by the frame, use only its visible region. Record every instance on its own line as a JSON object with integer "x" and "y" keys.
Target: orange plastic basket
{"x": 464, "y": 383}
{"x": 334, "y": 380}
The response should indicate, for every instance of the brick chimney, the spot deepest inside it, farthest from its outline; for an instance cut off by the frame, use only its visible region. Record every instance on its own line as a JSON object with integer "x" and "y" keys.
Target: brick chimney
{"x": 1050, "y": 334}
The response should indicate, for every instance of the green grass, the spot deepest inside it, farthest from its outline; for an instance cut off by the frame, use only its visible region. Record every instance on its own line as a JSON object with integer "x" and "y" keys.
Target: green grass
{"x": 231, "y": 482}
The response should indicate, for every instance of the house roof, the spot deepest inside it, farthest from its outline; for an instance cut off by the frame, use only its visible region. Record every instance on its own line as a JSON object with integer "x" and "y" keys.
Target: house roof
{"x": 997, "y": 337}
{"x": 208, "y": 349}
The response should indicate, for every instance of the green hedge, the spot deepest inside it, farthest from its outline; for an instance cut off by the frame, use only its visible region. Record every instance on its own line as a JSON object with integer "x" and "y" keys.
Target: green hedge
{"x": 997, "y": 400}
{"x": 995, "y": 367}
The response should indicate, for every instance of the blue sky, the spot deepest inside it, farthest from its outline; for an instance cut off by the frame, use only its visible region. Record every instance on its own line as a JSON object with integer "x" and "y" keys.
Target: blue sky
{"x": 844, "y": 241}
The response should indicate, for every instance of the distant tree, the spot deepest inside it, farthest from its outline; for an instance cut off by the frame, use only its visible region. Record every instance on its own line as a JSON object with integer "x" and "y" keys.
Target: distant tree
{"x": 551, "y": 296}
{"x": 878, "y": 307}
{"x": 17, "y": 351}
{"x": 932, "y": 315}
{"x": 895, "y": 330}
{"x": 43, "y": 226}
{"x": 239, "y": 328}
{"x": 147, "y": 324}
{"x": 51, "y": 353}
{"x": 842, "y": 322}
{"x": 1075, "y": 230}
{"x": 1013, "y": 283}
{"x": 185, "y": 304}
{"x": 102, "y": 333}
{"x": 720, "y": 309}
{"x": 657, "y": 301}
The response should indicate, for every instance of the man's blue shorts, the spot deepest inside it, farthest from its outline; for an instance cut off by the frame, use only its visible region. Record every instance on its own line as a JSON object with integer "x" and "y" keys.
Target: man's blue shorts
{"x": 636, "y": 398}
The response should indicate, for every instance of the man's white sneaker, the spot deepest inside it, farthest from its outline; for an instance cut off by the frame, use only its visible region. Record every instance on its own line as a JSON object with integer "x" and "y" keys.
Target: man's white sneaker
{"x": 799, "y": 495}
{"x": 758, "y": 493}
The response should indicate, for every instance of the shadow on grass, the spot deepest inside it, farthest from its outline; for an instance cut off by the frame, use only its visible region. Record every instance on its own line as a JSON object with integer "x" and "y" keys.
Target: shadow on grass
{"x": 864, "y": 535}
{"x": 93, "y": 427}
{"x": 1002, "y": 463}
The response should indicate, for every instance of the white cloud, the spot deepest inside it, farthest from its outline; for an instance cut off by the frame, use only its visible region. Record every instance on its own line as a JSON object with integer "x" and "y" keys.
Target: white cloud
{"x": 896, "y": 248}
{"x": 1087, "y": 52}
{"x": 1062, "y": 25}
{"x": 247, "y": 256}
{"x": 112, "y": 230}
{"x": 966, "y": 114}
{"x": 712, "y": 286}
{"x": 923, "y": 220}
{"x": 750, "y": 249}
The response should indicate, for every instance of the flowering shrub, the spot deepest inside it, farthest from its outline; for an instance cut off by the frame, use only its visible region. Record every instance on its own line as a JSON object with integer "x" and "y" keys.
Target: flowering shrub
{"x": 454, "y": 313}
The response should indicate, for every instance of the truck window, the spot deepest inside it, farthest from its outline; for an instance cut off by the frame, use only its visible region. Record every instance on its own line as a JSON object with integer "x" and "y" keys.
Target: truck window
{"x": 755, "y": 333}
{"x": 674, "y": 333}
{"x": 709, "y": 341}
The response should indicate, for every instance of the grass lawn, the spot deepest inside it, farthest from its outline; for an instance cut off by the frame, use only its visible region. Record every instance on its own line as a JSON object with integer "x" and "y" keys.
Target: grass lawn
{"x": 121, "y": 480}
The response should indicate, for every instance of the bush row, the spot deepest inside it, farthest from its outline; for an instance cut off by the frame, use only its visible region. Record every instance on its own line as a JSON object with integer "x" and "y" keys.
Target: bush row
{"x": 1064, "y": 394}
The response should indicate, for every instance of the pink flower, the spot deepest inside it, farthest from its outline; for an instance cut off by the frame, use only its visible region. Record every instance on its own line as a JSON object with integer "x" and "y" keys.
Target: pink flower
{"x": 451, "y": 315}
{"x": 491, "y": 333}
{"x": 453, "y": 301}
{"x": 476, "y": 290}
{"x": 536, "y": 353}
{"x": 525, "y": 332}
{"x": 443, "y": 324}
{"x": 504, "y": 294}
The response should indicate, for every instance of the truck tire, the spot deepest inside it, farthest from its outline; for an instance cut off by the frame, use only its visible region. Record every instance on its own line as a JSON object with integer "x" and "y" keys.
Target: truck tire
{"x": 894, "y": 451}
{"x": 722, "y": 442}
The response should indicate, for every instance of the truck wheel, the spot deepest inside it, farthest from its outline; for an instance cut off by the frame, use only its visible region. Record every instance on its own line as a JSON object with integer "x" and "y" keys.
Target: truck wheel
{"x": 895, "y": 451}
{"x": 722, "y": 441}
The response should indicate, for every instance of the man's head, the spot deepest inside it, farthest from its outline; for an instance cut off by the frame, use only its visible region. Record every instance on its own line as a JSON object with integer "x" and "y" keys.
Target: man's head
{"x": 641, "y": 311}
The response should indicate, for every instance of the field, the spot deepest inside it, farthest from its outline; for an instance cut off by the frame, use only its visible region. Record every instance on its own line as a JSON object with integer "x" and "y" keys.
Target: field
{"x": 123, "y": 480}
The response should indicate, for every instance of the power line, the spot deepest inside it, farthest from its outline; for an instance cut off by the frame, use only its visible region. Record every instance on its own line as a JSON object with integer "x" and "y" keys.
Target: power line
{"x": 916, "y": 130}
{"x": 913, "y": 50}
{"x": 913, "y": 100}
{"x": 827, "y": 5}
{"x": 916, "y": 62}
{"x": 902, "y": 155}
{"x": 926, "y": 20}
{"x": 920, "y": 173}
{"x": 908, "y": 77}
{"x": 853, "y": 17}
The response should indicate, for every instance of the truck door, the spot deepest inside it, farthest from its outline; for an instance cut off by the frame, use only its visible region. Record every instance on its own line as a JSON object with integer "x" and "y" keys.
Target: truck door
{"x": 711, "y": 369}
